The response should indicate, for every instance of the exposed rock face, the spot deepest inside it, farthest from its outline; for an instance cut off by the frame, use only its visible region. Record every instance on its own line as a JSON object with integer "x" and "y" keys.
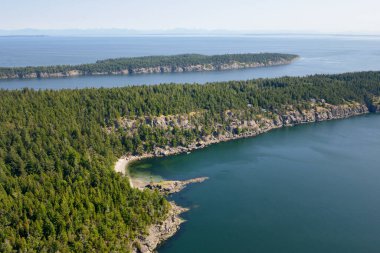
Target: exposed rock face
{"x": 374, "y": 104}
{"x": 238, "y": 125}
{"x": 170, "y": 187}
{"x": 322, "y": 113}
{"x": 150, "y": 70}
{"x": 237, "y": 128}
{"x": 160, "y": 232}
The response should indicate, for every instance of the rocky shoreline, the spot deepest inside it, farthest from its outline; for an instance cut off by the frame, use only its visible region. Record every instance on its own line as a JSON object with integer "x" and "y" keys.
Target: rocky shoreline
{"x": 170, "y": 187}
{"x": 252, "y": 128}
{"x": 148, "y": 70}
{"x": 161, "y": 232}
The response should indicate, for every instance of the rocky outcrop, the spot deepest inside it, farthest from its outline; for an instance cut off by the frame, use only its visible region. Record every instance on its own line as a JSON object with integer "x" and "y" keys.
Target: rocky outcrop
{"x": 170, "y": 187}
{"x": 206, "y": 67}
{"x": 374, "y": 104}
{"x": 148, "y": 70}
{"x": 238, "y": 127}
{"x": 322, "y": 113}
{"x": 160, "y": 232}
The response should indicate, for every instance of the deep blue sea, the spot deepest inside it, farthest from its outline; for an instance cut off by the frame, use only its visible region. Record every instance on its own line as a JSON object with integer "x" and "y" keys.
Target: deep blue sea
{"x": 319, "y": 54}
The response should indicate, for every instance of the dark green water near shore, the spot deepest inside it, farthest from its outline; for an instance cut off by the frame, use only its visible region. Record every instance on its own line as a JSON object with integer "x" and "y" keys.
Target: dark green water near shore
{"x": 310, "y": 188}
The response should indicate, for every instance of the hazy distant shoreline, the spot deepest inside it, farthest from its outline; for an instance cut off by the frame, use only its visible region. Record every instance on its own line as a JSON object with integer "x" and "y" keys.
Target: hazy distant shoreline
{"x": 151, "y": 64}
{"x": 173, "y": 32}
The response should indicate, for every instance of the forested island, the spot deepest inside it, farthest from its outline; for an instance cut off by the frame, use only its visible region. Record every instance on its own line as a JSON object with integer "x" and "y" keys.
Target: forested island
{"x": 151, "y": 64}
{"x": 58, "y": 187}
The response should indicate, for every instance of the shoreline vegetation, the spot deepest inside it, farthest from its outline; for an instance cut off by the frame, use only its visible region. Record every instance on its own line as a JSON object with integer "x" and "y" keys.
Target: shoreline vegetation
{"x": 163, "y": 230}
{"x": 58, "y": 187}
{"x": 150, "y": 65}
{"x": 318, "y": 112}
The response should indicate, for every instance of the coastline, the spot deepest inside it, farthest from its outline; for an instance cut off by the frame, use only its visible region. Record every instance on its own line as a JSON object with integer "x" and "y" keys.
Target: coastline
{"x": 172, "y": 223}
{"x": 161, "y": 231}
{"x": 121, "y": 166}
{"x": 150, "y": 70}
{"x": 290, "y": 119}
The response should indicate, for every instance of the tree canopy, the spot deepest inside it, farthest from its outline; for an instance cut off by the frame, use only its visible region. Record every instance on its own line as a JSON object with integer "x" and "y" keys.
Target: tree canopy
{"x": 110, "y": 66}
{"x": 58, "y": 190}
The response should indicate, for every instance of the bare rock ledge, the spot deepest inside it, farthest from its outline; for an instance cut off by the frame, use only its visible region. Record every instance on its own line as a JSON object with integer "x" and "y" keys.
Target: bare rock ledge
{"x": 170, "y": 187}
{"x": 160, "y": 232}
{"x": 157, "y": 233}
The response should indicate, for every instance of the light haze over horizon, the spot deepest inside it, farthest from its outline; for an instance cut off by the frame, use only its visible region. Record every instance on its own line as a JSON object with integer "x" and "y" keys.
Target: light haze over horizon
{"x": 322, "y": 16}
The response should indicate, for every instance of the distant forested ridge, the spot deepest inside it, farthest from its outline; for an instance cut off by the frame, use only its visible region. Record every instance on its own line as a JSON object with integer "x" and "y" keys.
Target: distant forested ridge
{"x": 58, "y": 190}
{"x": 151, "y": 64}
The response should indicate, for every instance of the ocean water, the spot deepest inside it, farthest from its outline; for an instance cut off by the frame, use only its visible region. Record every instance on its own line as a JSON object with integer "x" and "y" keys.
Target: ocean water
{"x": 319, "y": 54}
{"x": 310, "y": 188}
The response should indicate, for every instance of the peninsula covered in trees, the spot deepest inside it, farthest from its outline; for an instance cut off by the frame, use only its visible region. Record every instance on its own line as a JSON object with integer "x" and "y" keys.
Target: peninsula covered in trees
{"x": 58, "y": 189}
{"x": 151, "y": 64}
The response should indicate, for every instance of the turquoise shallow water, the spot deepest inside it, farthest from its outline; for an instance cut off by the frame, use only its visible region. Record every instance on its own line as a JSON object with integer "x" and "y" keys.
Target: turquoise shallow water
{"x": 310, "y": 188}
{"x": 319, "y": 54}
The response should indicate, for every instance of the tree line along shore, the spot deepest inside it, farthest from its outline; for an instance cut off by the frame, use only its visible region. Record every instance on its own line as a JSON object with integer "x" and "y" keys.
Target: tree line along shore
{"x": 58, "y": 187}
{"x": 151, "y": 64}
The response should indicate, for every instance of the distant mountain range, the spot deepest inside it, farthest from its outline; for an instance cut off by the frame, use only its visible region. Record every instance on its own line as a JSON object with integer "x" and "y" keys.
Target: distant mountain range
{"x": 113, "y": 32}
{"x": 173, "y": 32}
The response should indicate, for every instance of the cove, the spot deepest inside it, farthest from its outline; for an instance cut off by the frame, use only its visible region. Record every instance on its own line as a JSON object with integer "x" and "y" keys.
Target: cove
{"x": 309, "y": 188}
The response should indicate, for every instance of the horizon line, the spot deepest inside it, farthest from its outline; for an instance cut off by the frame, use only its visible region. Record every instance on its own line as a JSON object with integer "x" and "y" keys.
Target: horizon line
{"x": 173, "y": 31}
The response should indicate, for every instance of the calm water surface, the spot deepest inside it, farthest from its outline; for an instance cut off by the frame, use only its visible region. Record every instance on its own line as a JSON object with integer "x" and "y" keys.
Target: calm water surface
{"x": 319, "y": 54}
{"x": 311, "y": 188}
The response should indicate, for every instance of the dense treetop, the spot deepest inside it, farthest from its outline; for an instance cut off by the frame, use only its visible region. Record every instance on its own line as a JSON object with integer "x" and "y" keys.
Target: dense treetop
{"x": 120, "y": 64}
{"x": 58, "y": 190}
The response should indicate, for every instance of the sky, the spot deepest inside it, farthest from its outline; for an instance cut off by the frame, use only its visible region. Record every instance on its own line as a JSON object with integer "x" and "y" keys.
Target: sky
{"x": 326, "y": 16}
